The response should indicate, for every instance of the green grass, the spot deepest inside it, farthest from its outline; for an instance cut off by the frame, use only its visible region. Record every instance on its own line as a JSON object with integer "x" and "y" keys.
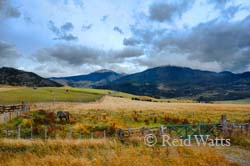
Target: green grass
{"x": 50, "y": 94}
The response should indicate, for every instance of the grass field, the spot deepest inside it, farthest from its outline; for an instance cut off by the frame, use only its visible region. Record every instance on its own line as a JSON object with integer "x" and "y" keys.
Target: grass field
{"x": 12, "y": 95}
{"x": 17, "y": 95}
{"x": 123, "y": 110}
{"x": 103, "y": 152}
{"x": 114, "y": 110}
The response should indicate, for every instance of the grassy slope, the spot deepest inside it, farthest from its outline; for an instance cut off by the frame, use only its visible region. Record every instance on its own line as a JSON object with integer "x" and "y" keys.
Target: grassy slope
{"x": 25, "y": 94}
{"x": 10, "y": 95}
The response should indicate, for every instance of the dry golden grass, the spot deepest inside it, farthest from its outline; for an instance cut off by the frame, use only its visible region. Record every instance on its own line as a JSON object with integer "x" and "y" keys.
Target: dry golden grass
{"x": 200, "y": 112}
{"x": 7, "y": 88}
{"x": 109, "y": 152}
{"x": 103, "y": 152}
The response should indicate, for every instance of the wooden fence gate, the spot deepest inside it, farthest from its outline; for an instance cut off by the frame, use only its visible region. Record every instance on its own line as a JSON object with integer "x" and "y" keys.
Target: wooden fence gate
{"x": 9, "y": 112}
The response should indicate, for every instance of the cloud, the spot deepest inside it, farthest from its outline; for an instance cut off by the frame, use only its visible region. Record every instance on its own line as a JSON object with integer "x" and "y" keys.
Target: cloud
{"x": 104, "y": 18}
{"x": 226, "y": 44}
{"x": 8, "y": 54}
{"x": 77, "y": 3}
{"x": 117, "y": 29}
{"x": 86, "y": 27}
{"x": 7, "y": 10}
{"x": 67, "y": 54}
{"x": 62, "y": 33}
{"x": 67, "y": 37}
{"x": 230, "y": 12}
{"x": 28, "y": 20}
{"x": 127, "y": 52}
{"x": 75, "y": 57}
{"x": 130, "y": 42}
{"x": 168, "y": 11}
{"x": 67, "y": 27}
{"x": 219, "y": 3}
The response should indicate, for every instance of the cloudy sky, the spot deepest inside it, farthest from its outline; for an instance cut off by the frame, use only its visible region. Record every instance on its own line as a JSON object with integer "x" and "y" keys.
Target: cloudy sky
{"x": 70, "y": 37}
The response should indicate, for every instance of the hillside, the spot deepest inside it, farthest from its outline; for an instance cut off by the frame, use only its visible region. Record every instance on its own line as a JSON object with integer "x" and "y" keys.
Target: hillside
{"x": 11, "y": 76}
{"x": 49, "y": 94}
{"x": 98, "y": 78}
{"x": 172, "y": 81}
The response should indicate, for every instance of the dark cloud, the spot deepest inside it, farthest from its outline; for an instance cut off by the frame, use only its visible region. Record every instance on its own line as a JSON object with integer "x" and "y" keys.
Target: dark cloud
{"x": 227, "y": 43}
{"x": 128, "y": 52}
{"x": 219, "y": 41}
{"x": 7, "y": 10}
{"x": 67, "y": 27}
{"x": 70, "y": 55}
{"x": 67, "y": 37}
{"x": 117, "y": 29}
{"x": 8, "y": 54}
{"x": 130, "y": 42}
{"x": 28, "y": 20}
{"x": 86, "y": 27}
{"x": 104, "y": 18}
{"x": 143, "y": 35}
{"x": 168, "y": 11}
{"x": 62, "y": 33}
{"x": 81, "y": 55}
{"x": 52, "y": 27}
{"x": 219, "y": 3}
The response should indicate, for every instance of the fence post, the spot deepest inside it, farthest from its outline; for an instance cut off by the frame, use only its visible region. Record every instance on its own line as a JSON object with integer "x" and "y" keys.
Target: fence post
{"x": 9, "y": 116}
{"x": 4, "y": 117}
{"x": 46, "y": 132}
{"x": 186, "y": 131}
{"x": 92, "y": 135}
{"x": 80, "y": 135}
{"x": 7, "y": 133}
{"x": 19, "y": 132}
{"x": 223, "y": 122}
{"x": 70, "y": 133}
{"x": 17, "y": 113}
{"x": 104, "y": 134}
{"x": 162, "y": 128}
{"x": 31, "y": 132}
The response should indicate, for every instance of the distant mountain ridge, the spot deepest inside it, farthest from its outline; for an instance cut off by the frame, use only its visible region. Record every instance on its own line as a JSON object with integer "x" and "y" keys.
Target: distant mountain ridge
{"x": 15, "y": 77}
{"x": 173, "y": 81}
{"x": 159, "y": 82}
{"x": 95, "y": 79}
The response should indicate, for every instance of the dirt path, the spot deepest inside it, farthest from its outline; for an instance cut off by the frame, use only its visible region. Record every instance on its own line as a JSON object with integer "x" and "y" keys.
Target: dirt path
{"x": 236, "y": 154}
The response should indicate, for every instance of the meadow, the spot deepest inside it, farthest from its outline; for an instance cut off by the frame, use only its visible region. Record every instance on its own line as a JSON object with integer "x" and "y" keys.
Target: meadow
{"x": 103, "y": 152}
{"x": 92, "y": 111}
{"x": 15, "y": 95}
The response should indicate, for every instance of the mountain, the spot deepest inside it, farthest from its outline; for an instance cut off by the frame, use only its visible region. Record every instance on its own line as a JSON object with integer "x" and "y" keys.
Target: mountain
{"x": 11, "y": 76}
{"x": 173, "y": 81}
{"x": 98, "y": 78}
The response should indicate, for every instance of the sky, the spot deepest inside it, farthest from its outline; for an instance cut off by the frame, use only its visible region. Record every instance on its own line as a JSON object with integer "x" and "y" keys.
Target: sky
{"x": 72, "y": 37}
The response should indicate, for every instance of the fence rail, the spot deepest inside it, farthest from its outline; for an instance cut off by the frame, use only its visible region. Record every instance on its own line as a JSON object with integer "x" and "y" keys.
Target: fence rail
{"x": 224, "y": 128}
{"x": 9, "y": 112}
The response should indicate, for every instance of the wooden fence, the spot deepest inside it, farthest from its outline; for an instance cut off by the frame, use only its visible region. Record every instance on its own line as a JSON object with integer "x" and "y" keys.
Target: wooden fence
{"x": 224, "y": 128}
{"x": 9, "y": 112}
